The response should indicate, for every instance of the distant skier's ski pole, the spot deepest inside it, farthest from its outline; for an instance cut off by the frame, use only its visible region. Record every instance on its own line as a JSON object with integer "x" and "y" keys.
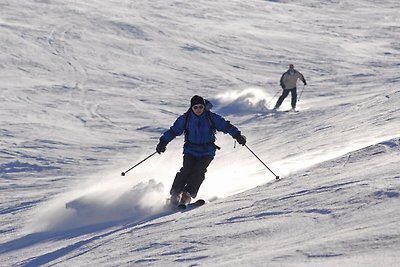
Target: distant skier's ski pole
{"x": 269, "y": 102}
{"x": 276, "y": 177}
{"x": 123, "y": 173}
{"x": 301, "y": 93}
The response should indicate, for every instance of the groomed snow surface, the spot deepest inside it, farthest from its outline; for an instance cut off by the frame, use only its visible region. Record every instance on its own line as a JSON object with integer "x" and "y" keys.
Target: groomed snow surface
{"x": 88, "y": 87}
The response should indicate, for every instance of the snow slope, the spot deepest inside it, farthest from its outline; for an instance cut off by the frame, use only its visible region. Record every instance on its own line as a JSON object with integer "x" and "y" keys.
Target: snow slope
{"x": 89, "y": 86}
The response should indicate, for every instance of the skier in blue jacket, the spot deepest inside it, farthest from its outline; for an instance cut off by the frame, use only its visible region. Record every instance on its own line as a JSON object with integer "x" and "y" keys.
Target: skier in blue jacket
{"x": 199, "y": 126}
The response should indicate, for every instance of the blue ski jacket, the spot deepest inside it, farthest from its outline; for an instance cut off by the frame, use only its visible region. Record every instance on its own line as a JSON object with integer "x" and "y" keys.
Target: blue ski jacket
{"x": 199, "y": 132}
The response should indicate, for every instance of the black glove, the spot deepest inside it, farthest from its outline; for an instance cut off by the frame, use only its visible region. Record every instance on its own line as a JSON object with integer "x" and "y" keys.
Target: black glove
{"x": 241, "y": 139}
{"x": 305, "y": 82}
{"x": 161, "y": 147}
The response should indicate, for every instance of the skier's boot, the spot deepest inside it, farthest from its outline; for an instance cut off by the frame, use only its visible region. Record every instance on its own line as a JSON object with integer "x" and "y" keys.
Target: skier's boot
{"x": 186, "y": 198}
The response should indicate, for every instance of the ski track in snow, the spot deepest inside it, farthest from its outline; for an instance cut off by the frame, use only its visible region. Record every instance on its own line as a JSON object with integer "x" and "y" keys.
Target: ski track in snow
{"x": 88, "y": 88}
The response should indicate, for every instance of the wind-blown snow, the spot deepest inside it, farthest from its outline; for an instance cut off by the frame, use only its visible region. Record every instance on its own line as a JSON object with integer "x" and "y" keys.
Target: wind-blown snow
{"x": 88, "y": 87}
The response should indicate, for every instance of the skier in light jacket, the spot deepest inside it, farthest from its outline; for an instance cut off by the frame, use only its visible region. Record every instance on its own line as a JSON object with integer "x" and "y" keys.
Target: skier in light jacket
{"x": 199, "y": 126}
{"x": 288, "y": 83}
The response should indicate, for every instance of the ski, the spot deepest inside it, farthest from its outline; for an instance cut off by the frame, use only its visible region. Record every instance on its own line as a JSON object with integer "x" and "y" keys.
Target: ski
{"x": 290, "y": 111}
{"x": 198, "y": 203}
{"x": 275, "y": 111}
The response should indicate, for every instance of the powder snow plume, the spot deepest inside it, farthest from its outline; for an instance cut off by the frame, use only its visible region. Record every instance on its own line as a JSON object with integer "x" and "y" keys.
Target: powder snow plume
{"x": 241, "y": 102}
{"x": 107, "y": 201}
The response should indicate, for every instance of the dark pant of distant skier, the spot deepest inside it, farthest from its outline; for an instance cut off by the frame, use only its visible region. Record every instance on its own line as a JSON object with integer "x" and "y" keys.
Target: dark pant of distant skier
{"x": 191, "y": 175}
{"x": 285, "y": 93}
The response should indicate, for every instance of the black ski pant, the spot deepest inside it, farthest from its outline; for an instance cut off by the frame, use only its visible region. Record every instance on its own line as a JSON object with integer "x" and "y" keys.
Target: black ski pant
{"x": 191, "y": 175}
{"x": 285, "y": 93}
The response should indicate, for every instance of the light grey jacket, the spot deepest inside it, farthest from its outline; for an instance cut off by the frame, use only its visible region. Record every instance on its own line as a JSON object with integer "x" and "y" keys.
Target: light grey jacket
{"x": 289, "y": 79}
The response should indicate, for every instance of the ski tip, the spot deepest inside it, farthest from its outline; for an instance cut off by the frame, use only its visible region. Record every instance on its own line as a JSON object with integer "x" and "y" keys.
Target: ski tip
{"x": 197, "y": 203}
{"x": 200, "y": 202}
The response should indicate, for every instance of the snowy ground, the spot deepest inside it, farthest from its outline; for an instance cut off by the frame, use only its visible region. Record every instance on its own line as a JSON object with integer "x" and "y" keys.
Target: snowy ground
{"x": 88, "y": 87}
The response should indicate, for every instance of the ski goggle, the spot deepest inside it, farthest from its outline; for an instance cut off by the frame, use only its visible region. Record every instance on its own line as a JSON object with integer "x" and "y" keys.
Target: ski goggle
{"x": 198, "y": 107}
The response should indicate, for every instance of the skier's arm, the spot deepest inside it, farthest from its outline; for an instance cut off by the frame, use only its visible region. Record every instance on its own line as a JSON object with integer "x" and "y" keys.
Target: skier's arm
{"x": 175, "y": 130}
{"x": 281, "y": 81}
{"x": 302, "y": 78}
{"x": 224, "y": 126}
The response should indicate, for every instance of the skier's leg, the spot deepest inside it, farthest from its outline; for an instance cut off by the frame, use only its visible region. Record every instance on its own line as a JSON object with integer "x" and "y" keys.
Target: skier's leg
{"x": 294, "y": 97}
{"x": 198, "y": 174}
{"x": 281, "y": 98}
{"x": 181, "y": 177}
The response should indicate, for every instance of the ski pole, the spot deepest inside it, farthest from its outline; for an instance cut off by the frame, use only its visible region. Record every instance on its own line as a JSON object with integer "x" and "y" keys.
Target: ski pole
{"x": 276, "y": 177}
{"x": 273, "y": 97}
{"x": 123, "y": 173}
{"x": 301, "y": 93}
